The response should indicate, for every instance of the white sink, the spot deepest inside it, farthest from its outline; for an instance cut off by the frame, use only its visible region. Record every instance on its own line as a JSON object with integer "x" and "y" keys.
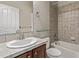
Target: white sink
{"x": 21, "y": 43}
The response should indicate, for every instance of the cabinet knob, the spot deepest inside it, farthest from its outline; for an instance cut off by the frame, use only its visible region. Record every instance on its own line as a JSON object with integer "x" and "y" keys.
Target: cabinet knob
{"x": 29, "y": 56}
{"x": 35, "y": 53}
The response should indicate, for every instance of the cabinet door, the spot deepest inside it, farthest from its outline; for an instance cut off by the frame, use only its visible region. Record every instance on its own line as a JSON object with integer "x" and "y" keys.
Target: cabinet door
{"x": 21, "y": 56}
{"x": 25, "y": 55}
{"x": 39, "y": 52}
{"x": 29, "y": 54}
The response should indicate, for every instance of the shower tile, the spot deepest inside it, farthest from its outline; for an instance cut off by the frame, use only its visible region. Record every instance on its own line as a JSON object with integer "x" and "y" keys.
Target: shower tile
{"x": 68, "y": 22}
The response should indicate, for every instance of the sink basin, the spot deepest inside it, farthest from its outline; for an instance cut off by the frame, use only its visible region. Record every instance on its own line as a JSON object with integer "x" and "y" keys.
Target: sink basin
{"x": 21, "y": 43}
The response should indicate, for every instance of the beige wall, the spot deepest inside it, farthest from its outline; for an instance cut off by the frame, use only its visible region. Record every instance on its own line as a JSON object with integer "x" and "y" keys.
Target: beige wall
{"x": 68, "y": 21}
{"x": 53, "y": 21}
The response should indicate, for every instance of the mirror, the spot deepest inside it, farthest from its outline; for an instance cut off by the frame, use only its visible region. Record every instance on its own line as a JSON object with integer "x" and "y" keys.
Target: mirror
{"x": 34, "y": 17}
{"x": 9, "y": 19}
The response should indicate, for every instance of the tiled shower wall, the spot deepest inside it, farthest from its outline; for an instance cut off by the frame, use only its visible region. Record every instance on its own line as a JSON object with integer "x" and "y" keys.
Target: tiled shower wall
{"x": 68, "y": 21}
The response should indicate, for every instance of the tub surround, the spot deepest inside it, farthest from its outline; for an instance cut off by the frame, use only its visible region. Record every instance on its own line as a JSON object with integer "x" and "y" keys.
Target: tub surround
{"x": 68, "y": 23}
{"x": 6, "y": 52}
{"x": 64, "y": 21}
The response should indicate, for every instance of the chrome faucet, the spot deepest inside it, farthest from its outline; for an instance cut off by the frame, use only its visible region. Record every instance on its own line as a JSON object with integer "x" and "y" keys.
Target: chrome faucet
{"x": 21, "y": 35}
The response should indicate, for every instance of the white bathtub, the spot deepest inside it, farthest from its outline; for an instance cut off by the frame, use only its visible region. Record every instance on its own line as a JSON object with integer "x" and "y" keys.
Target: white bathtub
{"x": 68, "y": 50}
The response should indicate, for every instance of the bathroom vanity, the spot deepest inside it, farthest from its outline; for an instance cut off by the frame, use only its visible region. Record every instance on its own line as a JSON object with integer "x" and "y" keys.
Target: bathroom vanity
{"x": 37, "y": 50}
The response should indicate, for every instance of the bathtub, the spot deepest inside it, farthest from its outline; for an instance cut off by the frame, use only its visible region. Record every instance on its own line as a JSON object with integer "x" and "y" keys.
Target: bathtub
{"x": 68, "y": 50}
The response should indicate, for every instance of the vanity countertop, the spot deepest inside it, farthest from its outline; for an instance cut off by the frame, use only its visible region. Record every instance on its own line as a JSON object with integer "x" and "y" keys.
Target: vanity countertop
{"x": 6, "y": 52}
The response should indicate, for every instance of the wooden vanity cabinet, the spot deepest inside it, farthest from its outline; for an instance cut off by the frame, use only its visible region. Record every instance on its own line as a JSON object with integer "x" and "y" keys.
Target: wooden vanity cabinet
{"x": 39, "y": 52}
{"x": 25, "y": 55}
